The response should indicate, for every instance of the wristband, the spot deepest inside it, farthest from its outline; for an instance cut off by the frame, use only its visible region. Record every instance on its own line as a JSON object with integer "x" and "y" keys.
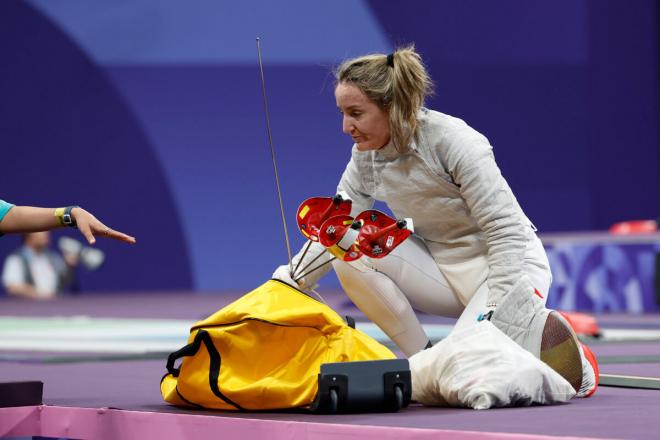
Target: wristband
{"x": 64, "y": 216}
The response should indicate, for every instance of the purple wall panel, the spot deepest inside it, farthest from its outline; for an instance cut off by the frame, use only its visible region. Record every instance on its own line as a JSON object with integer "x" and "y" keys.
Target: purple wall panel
{"x": 67, "y": 137}
{"x": 623, "y": 87}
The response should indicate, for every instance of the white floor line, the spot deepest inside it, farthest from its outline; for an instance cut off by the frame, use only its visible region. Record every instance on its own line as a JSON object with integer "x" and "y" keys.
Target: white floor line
{"x": 106, "y": 335}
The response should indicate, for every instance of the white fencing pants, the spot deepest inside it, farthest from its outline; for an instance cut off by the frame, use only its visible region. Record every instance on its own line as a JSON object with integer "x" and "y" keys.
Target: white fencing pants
{"x": 387, "y": 290}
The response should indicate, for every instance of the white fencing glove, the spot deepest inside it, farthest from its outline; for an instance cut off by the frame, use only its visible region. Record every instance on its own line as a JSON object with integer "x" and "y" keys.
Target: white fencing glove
{"x": 283, "y": 273}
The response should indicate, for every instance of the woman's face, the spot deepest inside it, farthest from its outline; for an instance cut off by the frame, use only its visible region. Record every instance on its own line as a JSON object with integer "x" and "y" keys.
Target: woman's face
{"x": 363, "y": 119}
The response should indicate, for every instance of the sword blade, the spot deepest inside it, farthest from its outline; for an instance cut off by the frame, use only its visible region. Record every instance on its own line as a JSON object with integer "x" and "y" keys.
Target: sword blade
{"x": 272, "y": 153}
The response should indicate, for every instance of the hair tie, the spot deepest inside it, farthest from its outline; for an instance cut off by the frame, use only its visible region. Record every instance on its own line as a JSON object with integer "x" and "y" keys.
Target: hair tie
{"x": 390, "y": 60}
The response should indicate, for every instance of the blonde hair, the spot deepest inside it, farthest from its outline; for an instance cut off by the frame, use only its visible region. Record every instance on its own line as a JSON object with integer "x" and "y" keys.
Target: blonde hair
{"x": 398, "y": 83}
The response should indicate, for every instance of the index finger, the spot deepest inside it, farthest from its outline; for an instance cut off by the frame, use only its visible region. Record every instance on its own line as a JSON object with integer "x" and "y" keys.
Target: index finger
{"x": 116, "y": 235}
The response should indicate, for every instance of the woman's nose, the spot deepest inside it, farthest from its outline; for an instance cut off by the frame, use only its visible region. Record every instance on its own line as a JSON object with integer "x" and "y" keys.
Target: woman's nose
{"x": 347, "y": 125}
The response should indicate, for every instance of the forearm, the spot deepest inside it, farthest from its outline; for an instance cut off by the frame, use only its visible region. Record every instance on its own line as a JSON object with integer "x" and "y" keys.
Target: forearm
{"x": 22, "y": 290}
{"x": 33, "y": 219}
{"x": 29, "y": 219}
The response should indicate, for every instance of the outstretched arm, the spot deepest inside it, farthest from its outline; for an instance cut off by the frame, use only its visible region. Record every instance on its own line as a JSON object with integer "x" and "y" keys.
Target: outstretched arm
{"x": 33, "y": 219}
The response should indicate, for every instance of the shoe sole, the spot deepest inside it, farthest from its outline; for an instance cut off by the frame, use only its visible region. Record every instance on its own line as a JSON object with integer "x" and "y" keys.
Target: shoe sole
{"x": 559, "y": 349}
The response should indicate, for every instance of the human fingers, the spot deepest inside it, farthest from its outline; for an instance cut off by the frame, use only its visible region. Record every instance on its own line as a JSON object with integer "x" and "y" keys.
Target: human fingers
{"x": 120, "y": 236}
{"x": 102, "y": 230}
{"x": 86, "y": 230}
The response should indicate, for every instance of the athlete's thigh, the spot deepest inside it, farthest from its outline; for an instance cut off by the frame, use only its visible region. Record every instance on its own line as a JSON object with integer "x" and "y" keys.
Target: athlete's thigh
{"x": 416, "y": 273}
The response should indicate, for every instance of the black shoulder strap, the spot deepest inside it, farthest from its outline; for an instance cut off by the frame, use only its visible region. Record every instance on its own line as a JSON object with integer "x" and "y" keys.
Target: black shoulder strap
{"x": 26, "y": 266}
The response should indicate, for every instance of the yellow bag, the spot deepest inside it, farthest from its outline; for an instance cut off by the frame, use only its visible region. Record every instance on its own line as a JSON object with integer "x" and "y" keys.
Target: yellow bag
{"x": 263, "y": 351}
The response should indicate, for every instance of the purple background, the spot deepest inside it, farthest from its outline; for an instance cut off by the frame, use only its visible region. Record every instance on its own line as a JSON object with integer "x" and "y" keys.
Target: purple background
{"x": 149, "y": 114}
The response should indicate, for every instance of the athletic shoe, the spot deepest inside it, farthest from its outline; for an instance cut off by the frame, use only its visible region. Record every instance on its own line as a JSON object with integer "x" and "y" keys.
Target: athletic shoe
{"x": 590, "y": 374}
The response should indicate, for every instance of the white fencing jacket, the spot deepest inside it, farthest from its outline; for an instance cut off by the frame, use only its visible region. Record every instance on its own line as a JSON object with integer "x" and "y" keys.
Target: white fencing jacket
{"x": 449, "y": 184}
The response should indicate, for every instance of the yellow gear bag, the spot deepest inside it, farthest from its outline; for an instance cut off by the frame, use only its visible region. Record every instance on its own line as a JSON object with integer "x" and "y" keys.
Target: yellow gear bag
{"x": 263, "y": 351}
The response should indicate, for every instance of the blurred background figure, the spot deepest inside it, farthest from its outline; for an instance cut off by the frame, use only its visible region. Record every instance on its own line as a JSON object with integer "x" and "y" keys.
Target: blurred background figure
{"x": 36, "y": 271}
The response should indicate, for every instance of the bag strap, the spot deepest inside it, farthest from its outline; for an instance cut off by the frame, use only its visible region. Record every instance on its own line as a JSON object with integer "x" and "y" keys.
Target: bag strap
{"x": 188, "y": 350}
{"x": 214, "y": 367}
